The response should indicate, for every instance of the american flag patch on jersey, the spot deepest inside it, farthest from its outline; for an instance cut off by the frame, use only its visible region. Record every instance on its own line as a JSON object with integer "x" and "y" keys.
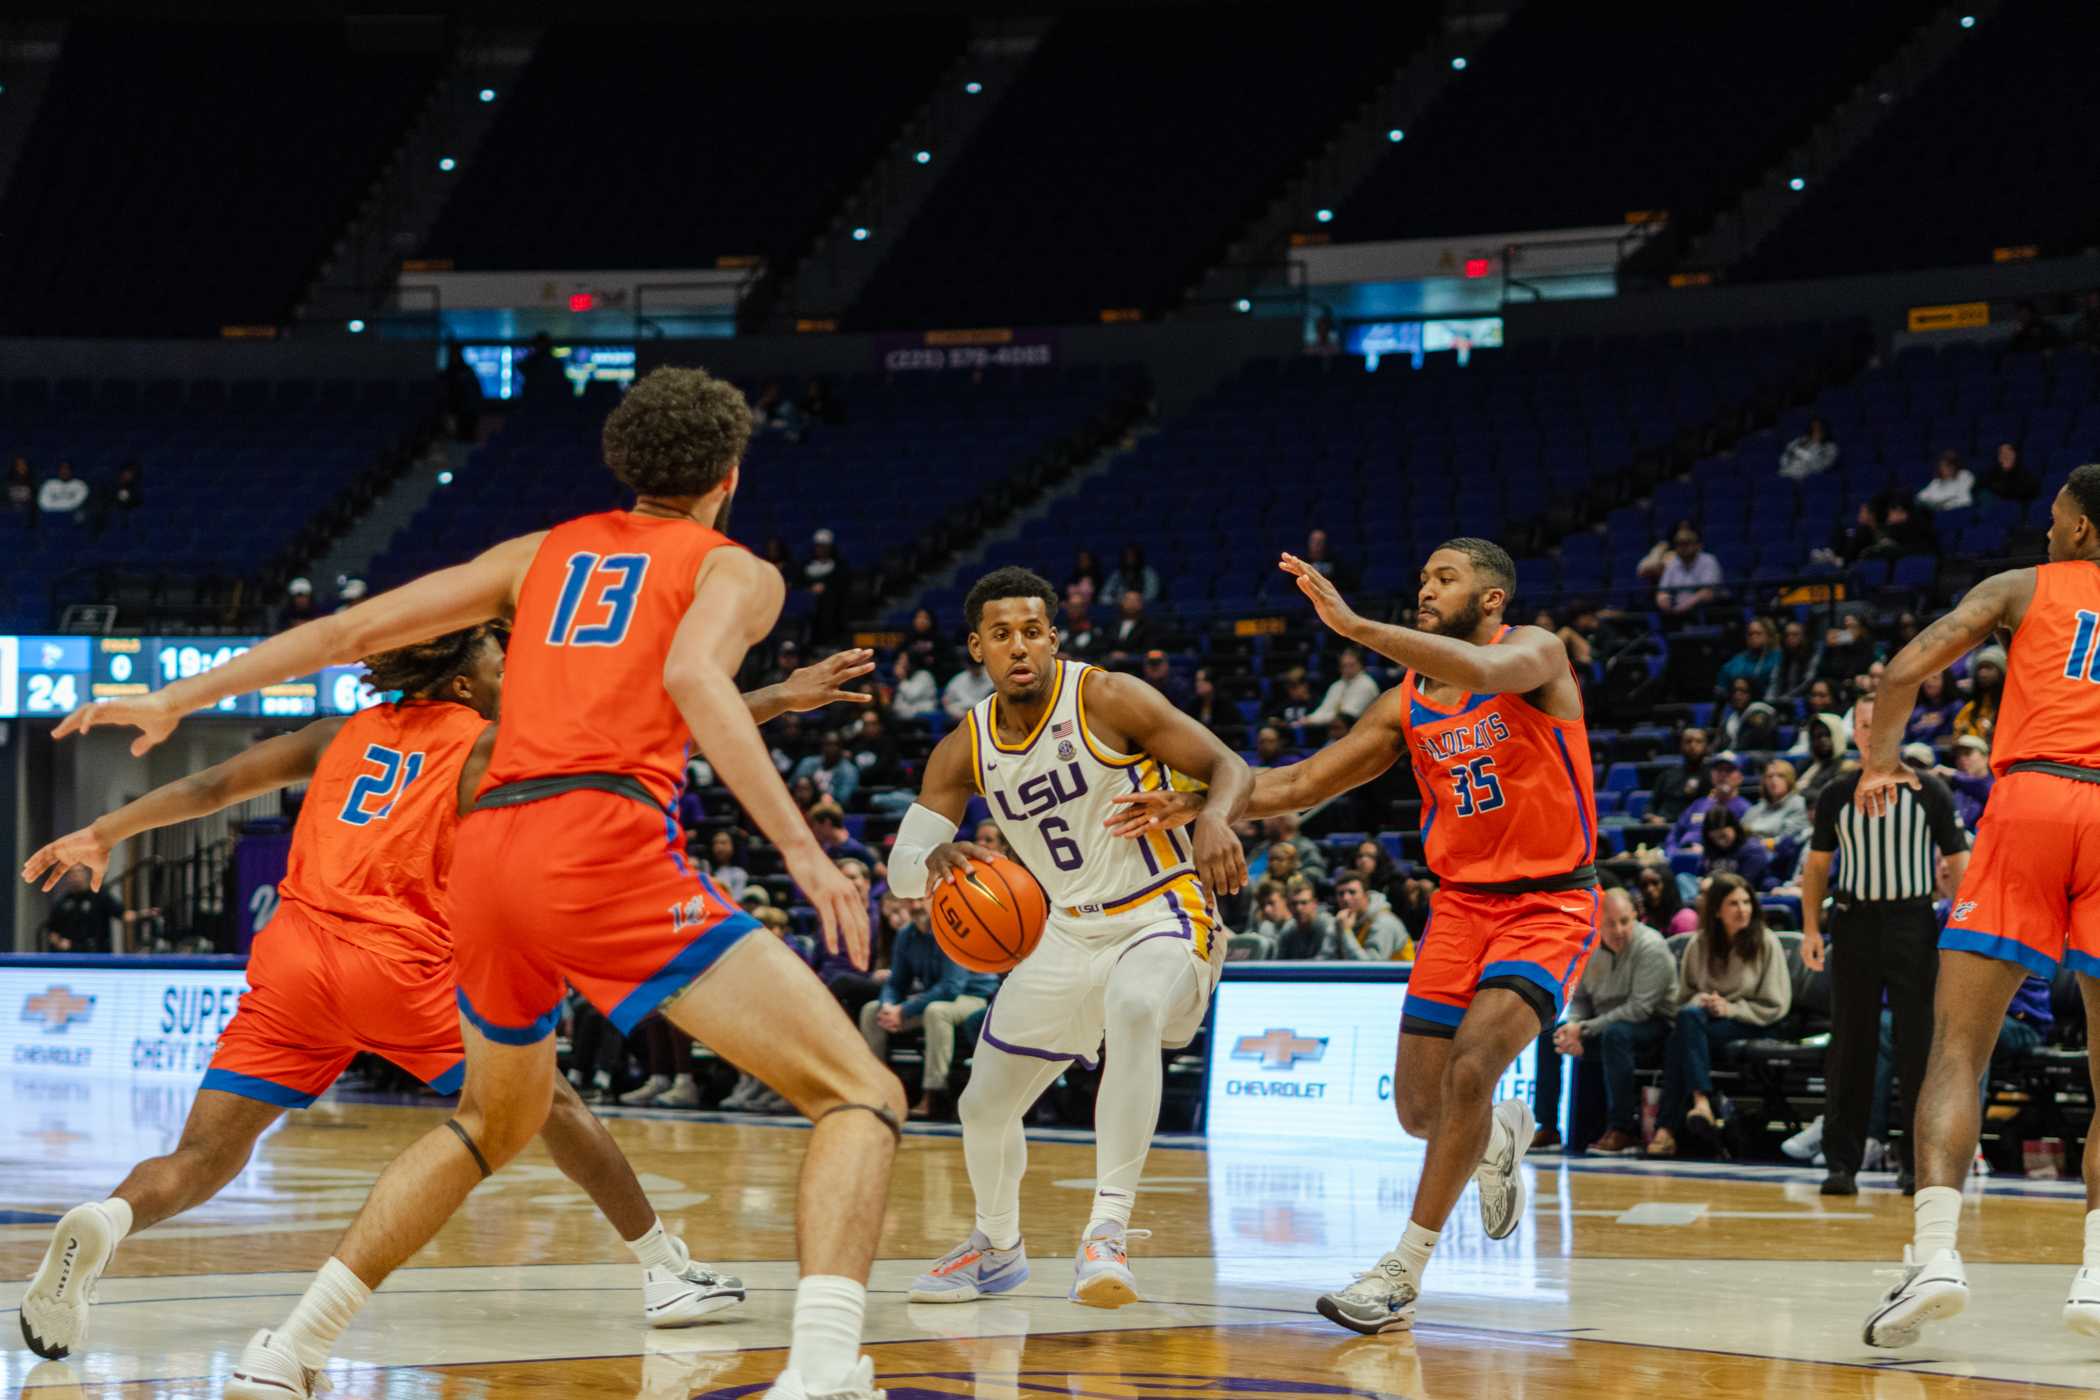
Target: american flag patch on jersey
{"x": 1061, "y": 730}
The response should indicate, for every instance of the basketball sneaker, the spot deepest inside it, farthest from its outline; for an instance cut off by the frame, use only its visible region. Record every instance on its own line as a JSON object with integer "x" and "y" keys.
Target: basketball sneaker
{"x": 1929, "y": 1292}
{"x": 860, "y": 1385}
{"x": 1382, "y": 1299}
{"x": 648, "y": 1091}
{"x": 1806, "y": 1144}
{"x": 972, "y": 1270}
{"x": 55, "y": 1309}
{"x": 1501, "y": 1184}
{"x": 268, "y": 1369}
{"x": 2082, "y": 1308}
{"x": 694, "y": 1292}
{"x": 1101, "y": 1275}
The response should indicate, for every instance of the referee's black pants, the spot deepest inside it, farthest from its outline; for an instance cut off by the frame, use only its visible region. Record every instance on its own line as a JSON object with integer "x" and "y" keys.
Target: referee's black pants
{"x": 1876, "y": 945}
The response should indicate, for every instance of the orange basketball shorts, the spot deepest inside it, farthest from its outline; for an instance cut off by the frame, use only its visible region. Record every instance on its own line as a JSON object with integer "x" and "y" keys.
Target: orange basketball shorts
{"x": 2032, "y": 891}
{"x": 315, "y": 999}
{"x": 588, "y": 888}
{"x": 1534, "y": 944}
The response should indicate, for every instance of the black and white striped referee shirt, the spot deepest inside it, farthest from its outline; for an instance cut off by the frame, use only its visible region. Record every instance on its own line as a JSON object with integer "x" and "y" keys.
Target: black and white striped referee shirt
{"x": 1892, "y": 856}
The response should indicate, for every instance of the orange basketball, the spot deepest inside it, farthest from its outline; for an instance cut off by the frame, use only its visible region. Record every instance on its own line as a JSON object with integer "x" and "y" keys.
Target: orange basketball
{"x": 992, "y": 917}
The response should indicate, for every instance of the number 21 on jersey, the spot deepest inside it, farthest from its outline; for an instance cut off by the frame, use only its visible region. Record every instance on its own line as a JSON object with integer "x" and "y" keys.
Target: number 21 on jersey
{"x": 597, "y": 599}
{"x": 373, "y": 795}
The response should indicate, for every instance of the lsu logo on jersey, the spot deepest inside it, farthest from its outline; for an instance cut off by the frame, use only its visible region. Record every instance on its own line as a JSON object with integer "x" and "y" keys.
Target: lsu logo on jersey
{"x": 1045, "y": 792}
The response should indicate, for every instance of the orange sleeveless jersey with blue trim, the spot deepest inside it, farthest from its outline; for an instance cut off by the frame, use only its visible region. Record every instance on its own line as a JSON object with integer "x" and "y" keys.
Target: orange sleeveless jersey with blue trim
{"x": 1507, "y": 790}
{"x": 583, "y": 688}
{"x": 372, "y": 850}
{"x": 2051, "y": 706}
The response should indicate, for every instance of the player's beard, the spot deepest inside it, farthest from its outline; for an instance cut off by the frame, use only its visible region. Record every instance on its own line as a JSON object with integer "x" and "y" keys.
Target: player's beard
{"x": 1463, "y": 623}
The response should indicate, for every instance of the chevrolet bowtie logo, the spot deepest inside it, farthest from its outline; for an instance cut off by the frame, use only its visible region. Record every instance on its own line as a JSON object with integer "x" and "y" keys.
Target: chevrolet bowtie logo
{"x": 57, "y": 1008}
{"x": 1279, "y": 1049}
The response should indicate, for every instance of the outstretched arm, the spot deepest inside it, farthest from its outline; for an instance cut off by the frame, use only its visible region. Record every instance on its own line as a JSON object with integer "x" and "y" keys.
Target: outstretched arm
{"x": 1526, "y": 659}
{"x": 433, "y": 605}
{"x": 1127, "y": 706}
{"x": 814, "y": 686}
{"x": 1999, "y": 601}
{"x": 270, "y": 765}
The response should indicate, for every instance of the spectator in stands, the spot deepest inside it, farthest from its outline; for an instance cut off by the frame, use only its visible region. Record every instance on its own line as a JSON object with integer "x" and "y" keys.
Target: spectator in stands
{"x": 1376, "y": 867}
{"x": 1678, "y": 787}
{"x": 724, "y": 865}
{"x": 1269, "y": 749}
{"x": 2032, "y": 332}
{"x": 881, "y": 763}
{"x": 1371, "y": 931}
{"x": 1780, "y": 812}
{"x": 1272, "y": 907}
{"x": 1579, "y": 634}
{"x": 1733, "y": 708}
{"x": 125, "y": 495}
{"x": 964, "y": 690}
{"x": 1970, "y": 778}
{"x": 1077, "y": 636}
{"x": 1311, "y": 859}
{"x": 63, "y": 496}
{"x": 82, "y": 920}
{"x": 1811, "y": 454}
{"x": 2008, "y": 478}
{"x": 805, "y": 794}
{"x": 1826, "y": 753}
{"x": 827, "y": 822}
{"x": 853, "y": 987}
{"x": 926, "y": 988}
{"x": 786, "y": 659}
{"x": 1624, "y": 1005}
{"x": 923, "y": 640}
{"x": 1660, "y": 904}
{"x": 915, "y": 694}
{"x": 1312, "y": 932}
{"x": 1724, "y": 778}
{"x": 1208, "y": 708}
{"x": 1725, "y": 848}
{"x": 1413, "y": 906}
{"x": 349, "y": 591}
{"x": 1800, "y": 658}
{"x": 1758, "y": 731}
{"x": 1316, "y": 554}
{"x": 1758, "y": 661}
{"x": 1850, "y": 648}
{"x": 298, "y": 603}
{"x": 786, "y": 745}
{"x": 781, "y": 557}
{"x": 830, "y": 583}
{"x": 992, "y": 838}
{"x": 1952, "y": 486}
{"x": 21, "y": 488}
{"x": 1085, "y": 573}
{"x": 1133, "y": 634}
{"x": 1658, "y": 555}
{"x": 1279, "y": 861}
{"x": 1295, "y": 702}
{"x": 1851, "y": 543}
{"x": 1159, "y": 673}
{"x": 1351, "y": 694}
{"x": 1691, "y": 577}
{"x": 1986, "y": 689}
{"x": 832, "y": 769}
{"x": 1133, "y": 575}
{"x": 1732, "y": 983}
{"x": 1939, "y": 701}
{"x": 1906, "y": 531}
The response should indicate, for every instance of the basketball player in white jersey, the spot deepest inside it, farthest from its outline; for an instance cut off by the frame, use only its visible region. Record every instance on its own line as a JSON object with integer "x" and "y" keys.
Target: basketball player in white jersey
{"x": 1133, "y": 946}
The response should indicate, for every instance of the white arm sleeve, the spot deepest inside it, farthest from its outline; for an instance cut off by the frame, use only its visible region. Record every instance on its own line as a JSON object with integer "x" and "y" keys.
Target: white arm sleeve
{"x": 923, "y": 829}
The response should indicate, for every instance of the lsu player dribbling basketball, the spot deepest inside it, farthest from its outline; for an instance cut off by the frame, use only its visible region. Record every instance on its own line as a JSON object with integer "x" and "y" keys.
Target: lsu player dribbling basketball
{"x": 1132, "y": 949}
{"x": 1491, "y": 717}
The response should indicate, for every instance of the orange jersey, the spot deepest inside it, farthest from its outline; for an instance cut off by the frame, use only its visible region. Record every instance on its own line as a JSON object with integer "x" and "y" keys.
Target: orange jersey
{"x": 1507, "y": 790}
{"x": 373, "y": 847}
{"x": 2051, "y": 706}
{"x": 583, "y": 688}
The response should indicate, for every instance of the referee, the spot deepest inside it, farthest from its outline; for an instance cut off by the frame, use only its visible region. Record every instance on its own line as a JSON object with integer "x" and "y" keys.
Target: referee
{"x": 1883, "y": 938}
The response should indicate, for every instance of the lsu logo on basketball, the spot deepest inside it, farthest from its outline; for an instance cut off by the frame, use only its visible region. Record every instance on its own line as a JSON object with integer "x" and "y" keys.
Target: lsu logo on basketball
{"x": 1044, "y": 792}
{"x": 1962, "y": 911}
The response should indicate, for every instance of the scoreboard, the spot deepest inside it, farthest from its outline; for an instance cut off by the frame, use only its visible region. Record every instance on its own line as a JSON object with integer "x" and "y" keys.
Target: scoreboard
{"x": 47, "y": 677}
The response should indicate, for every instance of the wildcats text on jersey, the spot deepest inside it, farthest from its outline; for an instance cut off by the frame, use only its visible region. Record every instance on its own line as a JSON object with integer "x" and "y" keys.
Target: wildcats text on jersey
{"x": 1437, "y": 747}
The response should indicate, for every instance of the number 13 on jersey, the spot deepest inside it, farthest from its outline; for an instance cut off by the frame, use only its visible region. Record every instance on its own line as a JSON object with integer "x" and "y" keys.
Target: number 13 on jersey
{"x": 597, "y": 600}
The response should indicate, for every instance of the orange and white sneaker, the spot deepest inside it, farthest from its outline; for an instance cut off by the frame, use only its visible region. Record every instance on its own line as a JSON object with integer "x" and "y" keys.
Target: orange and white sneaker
{"x": 1102, "y": 1277}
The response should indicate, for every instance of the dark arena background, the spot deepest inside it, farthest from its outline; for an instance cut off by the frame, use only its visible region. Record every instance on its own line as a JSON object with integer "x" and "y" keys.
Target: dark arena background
{"x": 1757, "y": 334}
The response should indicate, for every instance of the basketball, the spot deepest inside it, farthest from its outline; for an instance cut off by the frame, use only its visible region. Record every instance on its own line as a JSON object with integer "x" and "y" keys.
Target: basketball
{"x": 991, "y": 918}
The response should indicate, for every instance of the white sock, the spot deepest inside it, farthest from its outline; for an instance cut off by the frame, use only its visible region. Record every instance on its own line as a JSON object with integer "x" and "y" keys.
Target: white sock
{"x": 331, "y": 1301}
{"x": 2092, "y": 1239}
{"x": 1935, "y": 1214}
{"x": 602, "y": 1079}
{"x": 826, "y": 1339}
{"x": 119, "y": 1212}
{"x": 658, "y": 1249}
{"x": 1414, "y": 1248}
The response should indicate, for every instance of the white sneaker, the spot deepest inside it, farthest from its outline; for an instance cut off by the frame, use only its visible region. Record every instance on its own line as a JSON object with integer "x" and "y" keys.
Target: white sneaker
{"x": 683, "y": 1094}
{"x": 860, "y": 1385}
{"x": 1501, "y": 1184}
{"x": 1381, "y": 1299}
{"x": 1804, "y": 1145}
{"x": 649, "y": 1091}
{"x": 1874, "y": 1156}
{"x": 55, "y": 1309}
{"x": 683, "y": 1298}
{"x": 1101, "y": 1276}
{"x": 1928, "y": 1292}
{"x": 268, "y": 1369}
{"x": 2082, "y": 1308}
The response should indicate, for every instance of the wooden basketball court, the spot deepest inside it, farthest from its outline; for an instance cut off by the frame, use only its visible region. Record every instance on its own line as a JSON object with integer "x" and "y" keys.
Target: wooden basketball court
{"x": 1626, "y": 1279}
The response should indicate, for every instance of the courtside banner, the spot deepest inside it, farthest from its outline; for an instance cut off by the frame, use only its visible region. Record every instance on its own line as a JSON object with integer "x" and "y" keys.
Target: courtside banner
{"x": 133, "y": 1017}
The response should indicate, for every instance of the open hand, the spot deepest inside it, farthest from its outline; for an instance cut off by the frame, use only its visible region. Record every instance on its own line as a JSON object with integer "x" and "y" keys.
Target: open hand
{"x": 146, "y": 713}
{"x": 843, "y": 912}
{"x": 1139, "y": 812}
{"x": 951, "y": 862}
{"x": 1326, "y": 599}
{"x": 1877, "y": 786}
{"x": 82, "y": 847}
{"x": 820, "y": 683}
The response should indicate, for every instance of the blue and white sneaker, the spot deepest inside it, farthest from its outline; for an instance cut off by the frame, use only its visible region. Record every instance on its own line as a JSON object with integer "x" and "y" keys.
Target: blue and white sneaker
{"x": 1382, "y": 1299}
{"x": 972, "y": 1270}
{"x": 1101, "y": 1272}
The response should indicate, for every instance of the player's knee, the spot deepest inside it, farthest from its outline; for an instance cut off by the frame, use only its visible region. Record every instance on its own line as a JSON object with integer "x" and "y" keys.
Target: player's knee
{"x": 1133, "y": 1007}
{"x": 862, "y": 1080}
{"x": 500, "y": 1130}
{"x": 1472, "y": 1075}
{"x": 1417, "y": 1114}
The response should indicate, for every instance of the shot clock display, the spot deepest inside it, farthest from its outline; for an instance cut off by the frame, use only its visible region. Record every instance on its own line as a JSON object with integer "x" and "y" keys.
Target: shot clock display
{"x": 46, "y": 677}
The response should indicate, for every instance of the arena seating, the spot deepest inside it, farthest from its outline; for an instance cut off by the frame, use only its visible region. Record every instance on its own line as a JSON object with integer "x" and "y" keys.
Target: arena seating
{"x": 182, "y": 177}
{"x": 1132, "y": 148}
{"x": 230, "y": 474}
{"x": 1574, "y": 117}
{"x": 668, "y": 146}
{"x": 1978, "y": 158}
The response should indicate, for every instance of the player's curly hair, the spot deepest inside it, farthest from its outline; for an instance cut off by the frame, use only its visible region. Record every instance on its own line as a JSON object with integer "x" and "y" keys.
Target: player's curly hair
{"x": 2084, "y": 486}
{"x": 1490, "y": 560}
{"x": 677, "y": 433}
{"x": 424, "y": 668}
{"x": 1009, "y": 582}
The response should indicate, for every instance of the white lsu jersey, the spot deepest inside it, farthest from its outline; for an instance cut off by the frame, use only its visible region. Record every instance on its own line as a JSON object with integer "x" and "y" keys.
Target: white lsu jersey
{"x": 1051, "y": 796}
